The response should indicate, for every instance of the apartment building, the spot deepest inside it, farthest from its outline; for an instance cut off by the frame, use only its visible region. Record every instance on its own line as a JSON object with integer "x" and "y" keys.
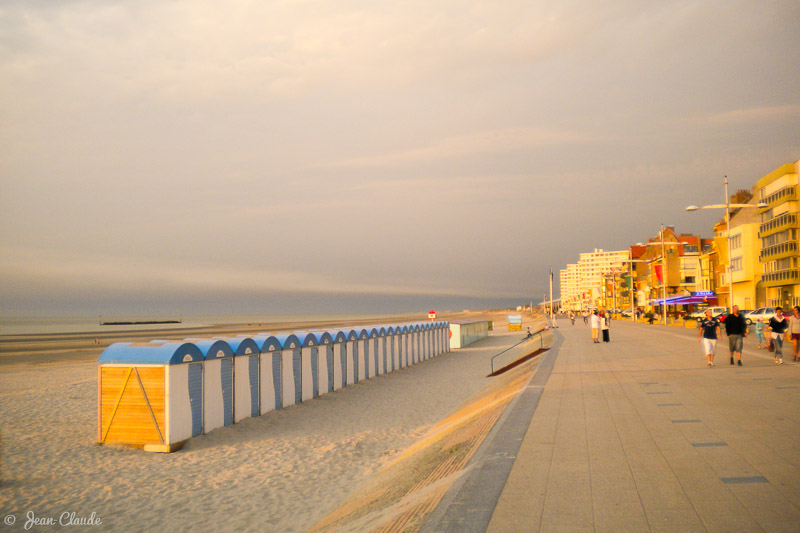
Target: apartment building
{"x": 778, "y": 233}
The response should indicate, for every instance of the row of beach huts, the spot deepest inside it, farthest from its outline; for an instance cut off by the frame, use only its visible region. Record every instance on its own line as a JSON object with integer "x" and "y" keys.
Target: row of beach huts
{"x": 160, "y": 393}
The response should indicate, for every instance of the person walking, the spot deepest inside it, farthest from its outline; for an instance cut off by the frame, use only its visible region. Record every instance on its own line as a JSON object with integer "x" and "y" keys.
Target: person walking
{"x": 779, "y": 330}
{"x": 708, "y": 332}
{"x": 595, "y": 326}
{"x": 604, "y": 318}
{"x": 736, "y": 329}
{"x": 586, "y": 317}
{"x": 572, "y": 317}
{"x": 794, "y": 331}
{"x": 759, "y": 327}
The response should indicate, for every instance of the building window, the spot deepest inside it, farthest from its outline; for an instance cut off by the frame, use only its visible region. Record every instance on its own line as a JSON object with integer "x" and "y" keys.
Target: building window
{"x": 736, "y": 241}
{"x": 736, "y": 264}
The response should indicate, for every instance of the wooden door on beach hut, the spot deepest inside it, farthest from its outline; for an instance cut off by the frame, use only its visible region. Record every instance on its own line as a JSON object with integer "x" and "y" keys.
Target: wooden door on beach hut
{"x": 339, "y": 359}
{"x": 271, "y": 371}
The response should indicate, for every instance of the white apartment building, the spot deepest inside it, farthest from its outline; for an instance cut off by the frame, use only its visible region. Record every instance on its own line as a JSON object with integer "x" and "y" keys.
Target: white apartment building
{"x": 585, "y": 286}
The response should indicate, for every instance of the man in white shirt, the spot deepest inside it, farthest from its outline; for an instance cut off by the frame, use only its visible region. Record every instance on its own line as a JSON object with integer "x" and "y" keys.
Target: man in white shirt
{"x": 595, "y": 326}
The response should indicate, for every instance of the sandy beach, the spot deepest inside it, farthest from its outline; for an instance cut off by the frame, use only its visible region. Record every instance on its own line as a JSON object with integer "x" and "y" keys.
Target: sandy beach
{"x": 283, "y": 471}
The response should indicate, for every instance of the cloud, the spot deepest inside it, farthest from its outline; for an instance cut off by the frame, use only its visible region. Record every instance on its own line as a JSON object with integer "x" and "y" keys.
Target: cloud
{"x": 33, "y": 270}
{"x": 749, "y": 116}
{"x": 481, "y": 143}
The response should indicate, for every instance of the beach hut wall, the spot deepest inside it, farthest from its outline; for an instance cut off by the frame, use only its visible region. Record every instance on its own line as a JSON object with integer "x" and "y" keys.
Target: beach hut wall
{"x": 353, "y": 359}
{"x": 218, "y": 377}
{"x": 291, "y": 367}
{"x": 340, "y": 359}
{"x": 363, "y": 351}
{"x": 389, "y": 341}
{"x": 247, "y": 379}
{"x": 150, "y": 394}
{"x": 271, "y": 363}
{"x": 375, "y": 367}
{"x": 326, "y": 365}
{"x": 383, "y": 343}
{"x": 309, "y": 361}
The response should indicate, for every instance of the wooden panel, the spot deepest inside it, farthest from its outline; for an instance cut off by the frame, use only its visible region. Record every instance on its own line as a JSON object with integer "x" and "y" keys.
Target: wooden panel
{"x": 128, "y": 410}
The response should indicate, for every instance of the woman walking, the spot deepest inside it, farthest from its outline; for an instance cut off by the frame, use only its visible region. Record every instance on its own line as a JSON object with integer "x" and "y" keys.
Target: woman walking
{"x": 779, "y": 328}
{"x": 708, "y": 332}
{"x": 604, "y": 325}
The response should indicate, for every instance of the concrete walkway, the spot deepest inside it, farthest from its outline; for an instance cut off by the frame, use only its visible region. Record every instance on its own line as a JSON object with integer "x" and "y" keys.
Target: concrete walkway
{"x": 639, "y": 435}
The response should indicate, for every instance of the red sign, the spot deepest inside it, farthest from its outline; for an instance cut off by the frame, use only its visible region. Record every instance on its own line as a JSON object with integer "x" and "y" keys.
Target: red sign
{"x": 431, "y": 314}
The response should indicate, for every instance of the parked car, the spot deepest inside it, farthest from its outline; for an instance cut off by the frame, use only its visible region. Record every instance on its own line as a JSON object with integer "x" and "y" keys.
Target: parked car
{"x": 715, "y": 312}
{"x": 762, "y": 313}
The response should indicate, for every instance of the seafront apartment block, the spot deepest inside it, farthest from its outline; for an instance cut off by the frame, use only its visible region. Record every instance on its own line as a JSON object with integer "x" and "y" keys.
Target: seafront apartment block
{"x": 778, "y": 231}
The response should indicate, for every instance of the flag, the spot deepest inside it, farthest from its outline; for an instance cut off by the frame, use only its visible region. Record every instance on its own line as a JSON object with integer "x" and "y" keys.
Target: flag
{"x": 628, "y": 281}
{"x": 660, "y": 273}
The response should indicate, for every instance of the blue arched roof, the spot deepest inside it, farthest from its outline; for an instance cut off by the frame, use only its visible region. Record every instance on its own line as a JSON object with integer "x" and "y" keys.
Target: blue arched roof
{"x": 352, "y": 335}
{"x": 324, "y": 337}
{"x": 242, "y": 345}
{"x": 212, "y": 349}
{"x": 267, "y": 343}
{"x": 307, "y": 338}
{"x": 339, "y": 335}
{"x": 374, "y": 332}
{"x": 151, "y": 353}
{"x": 363, "y": 333}
{"x": 289, "y": 341}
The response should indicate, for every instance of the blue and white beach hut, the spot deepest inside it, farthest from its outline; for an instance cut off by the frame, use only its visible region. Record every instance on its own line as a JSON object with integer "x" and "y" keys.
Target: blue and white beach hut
{"x": 413, "y": 332}
{"x": 150, "y": 394}
{"x": 325, "y": 343}
{"x": 401, "y": 332}
{"x": 392, "y": 337}
{"x": 383, "y": 350}
{"x": 271, "y": 372}
{"x": 354, "y": 366}
{"x": 246, "y": 372}
{"x": 309, "y": 365}
{"x": 217, "y": 383}
{"x": 291, "y": 367}
{"x": 341, "y": 361}
{"x": 365, "y": 352}
{"x": 374, "y": 359}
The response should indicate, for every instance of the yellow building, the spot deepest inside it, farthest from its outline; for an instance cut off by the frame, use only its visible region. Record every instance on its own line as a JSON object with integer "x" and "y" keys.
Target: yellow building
{"x": 745, "y": 249}
{"x": 778, "y": 233}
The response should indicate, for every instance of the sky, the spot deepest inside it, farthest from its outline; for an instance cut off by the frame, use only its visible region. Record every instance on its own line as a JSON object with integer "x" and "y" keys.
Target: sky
{"x": 299, "y": 156}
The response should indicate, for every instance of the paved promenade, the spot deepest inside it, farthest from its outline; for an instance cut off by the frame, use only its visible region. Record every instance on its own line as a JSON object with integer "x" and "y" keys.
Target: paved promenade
{"x": 639, "y": 435}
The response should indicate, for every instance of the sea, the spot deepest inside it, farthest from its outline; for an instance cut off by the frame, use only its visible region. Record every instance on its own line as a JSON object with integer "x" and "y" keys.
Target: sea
{"x": 50, "y": 325}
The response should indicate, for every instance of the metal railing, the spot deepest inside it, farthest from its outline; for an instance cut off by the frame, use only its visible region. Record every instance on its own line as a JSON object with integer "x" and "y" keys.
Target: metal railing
{"x": 539, "y": 333}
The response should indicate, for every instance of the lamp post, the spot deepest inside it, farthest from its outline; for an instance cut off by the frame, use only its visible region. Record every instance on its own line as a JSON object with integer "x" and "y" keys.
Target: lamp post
{"x": 727, "y": 207}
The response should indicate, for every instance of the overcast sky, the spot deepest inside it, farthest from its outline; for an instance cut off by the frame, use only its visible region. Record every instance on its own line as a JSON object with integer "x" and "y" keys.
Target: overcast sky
{"x": 167, "y": 152}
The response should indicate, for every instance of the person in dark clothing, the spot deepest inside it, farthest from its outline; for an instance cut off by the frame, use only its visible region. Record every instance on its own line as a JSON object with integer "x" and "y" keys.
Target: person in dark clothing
{"x": 708, "y": 333}
{"x": 736, "y": 329}
{"x": 779, "y": 328}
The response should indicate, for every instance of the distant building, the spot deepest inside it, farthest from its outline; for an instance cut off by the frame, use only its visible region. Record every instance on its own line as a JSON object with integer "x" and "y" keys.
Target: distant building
{"x": 778, "y": 232}
{"x": 582, "y": 284}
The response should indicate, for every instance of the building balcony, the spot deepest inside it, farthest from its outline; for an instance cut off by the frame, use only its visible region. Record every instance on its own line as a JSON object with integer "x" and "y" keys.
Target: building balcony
{"x": 779, "y": 223}
{"x": 781, "y": 195}
{"x": 778, "y": 251}
{"x": 781, "y": 277}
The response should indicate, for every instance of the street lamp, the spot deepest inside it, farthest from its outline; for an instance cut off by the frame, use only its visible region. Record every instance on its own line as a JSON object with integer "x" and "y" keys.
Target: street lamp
{"x": 727, "y": 207}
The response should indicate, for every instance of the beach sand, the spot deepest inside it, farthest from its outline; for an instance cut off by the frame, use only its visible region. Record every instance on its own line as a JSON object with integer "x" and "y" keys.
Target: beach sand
{"x": 283, "y": 471}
